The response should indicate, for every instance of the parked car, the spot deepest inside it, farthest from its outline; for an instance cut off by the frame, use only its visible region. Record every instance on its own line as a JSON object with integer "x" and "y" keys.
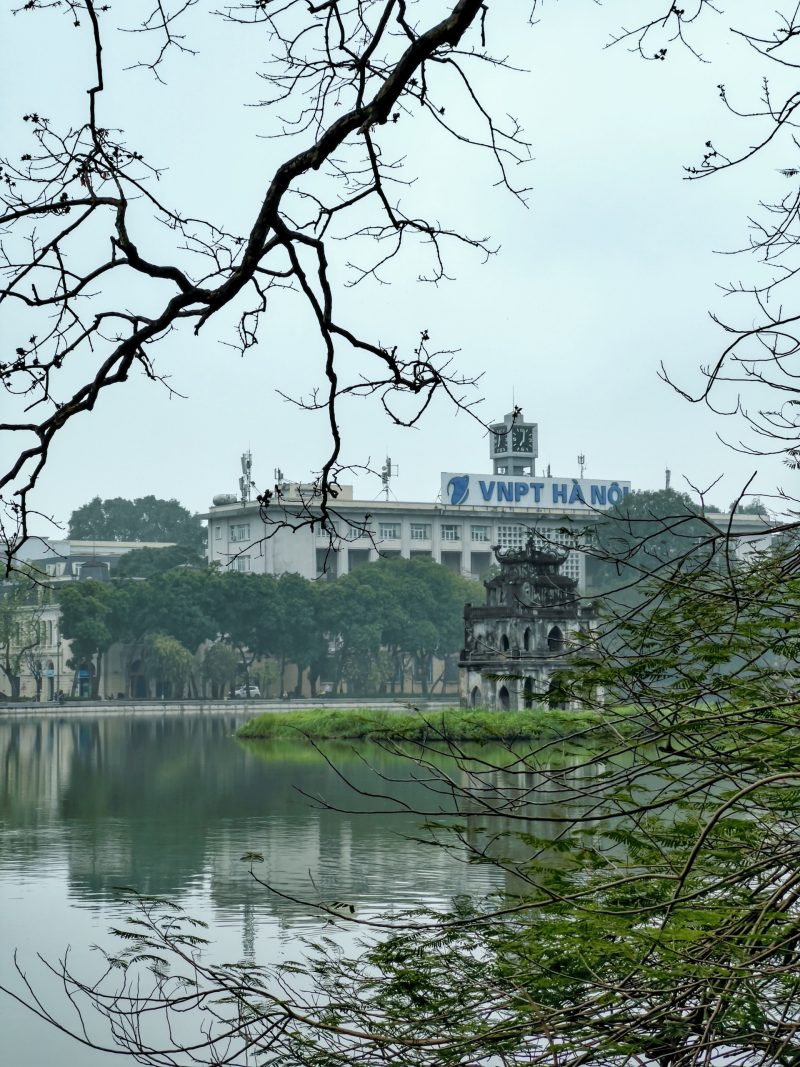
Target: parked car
{"x": 247, "y": 691}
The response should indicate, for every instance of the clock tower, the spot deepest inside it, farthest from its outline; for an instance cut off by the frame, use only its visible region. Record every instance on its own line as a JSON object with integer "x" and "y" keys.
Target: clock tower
{"x": 514, "y": 445}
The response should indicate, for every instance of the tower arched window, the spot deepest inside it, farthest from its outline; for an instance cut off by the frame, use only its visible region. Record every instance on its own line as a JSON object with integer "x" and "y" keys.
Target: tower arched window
{"x": 526, "y": 639}
{"x": 504, "y": 643}
{"x": 529, "y": 692}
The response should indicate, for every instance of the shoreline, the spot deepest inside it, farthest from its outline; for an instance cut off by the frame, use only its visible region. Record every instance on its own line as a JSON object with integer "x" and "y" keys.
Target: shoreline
{"x": 252, "y": 708}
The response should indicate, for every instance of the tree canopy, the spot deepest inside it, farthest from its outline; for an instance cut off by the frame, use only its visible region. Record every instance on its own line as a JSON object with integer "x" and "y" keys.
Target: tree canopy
{"x": 649, "y": 531}
{"x": 146, "y": 562}
{"x": 22, "y": 601}
{"x": 145, "y": 519}
{"x": 365, "y": 629}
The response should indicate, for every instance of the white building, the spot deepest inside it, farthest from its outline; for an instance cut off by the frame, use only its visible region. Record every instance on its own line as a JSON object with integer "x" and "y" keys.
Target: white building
{"x": 473, "y": 513}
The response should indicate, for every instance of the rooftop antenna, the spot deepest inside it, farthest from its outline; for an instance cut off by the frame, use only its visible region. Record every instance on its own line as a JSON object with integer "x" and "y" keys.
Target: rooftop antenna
{"x": 246, "y": 482}
{"x": 388, "y": 471}
{"x": 667, "y": 475}
{"x": 582, "y": 463}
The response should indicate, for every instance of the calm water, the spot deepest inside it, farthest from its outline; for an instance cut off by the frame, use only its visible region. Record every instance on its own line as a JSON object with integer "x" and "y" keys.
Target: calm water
{"x": 169, "y": 805}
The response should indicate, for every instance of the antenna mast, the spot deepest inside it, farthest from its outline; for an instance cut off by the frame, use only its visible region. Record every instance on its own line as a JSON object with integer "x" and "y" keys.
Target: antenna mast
{"x": 388, "y": 471}
{"x": 246, "y": 482}
{"x": 581, "y": 462}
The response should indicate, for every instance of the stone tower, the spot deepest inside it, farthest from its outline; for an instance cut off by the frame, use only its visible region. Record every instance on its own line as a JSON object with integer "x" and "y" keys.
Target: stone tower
{"x": 515, "y": 642}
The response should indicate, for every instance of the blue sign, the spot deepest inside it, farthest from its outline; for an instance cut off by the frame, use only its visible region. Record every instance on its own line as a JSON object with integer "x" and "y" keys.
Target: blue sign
{"x": 497, "y": 489}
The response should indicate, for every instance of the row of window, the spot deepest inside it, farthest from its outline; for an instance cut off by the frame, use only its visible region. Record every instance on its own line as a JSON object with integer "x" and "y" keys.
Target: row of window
{"x": 509, "y": 535}
{"x": 421, "y": 531}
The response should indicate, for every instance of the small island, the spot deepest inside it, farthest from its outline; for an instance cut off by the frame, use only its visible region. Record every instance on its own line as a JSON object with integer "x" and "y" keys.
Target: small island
{"x": 410, "y": 724}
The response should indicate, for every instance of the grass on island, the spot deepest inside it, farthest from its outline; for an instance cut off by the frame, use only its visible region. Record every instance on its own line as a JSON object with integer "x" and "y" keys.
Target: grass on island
{"x": 456, "y": 724}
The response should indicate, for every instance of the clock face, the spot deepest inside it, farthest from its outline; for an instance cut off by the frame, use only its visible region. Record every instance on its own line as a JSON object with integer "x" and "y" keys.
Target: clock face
{"x": 500, "y": 440}
{"x": 522, "y": 439}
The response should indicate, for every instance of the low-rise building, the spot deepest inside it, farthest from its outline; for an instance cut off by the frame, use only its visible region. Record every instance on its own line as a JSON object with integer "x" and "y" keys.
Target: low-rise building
{"x": 43, "y": 665}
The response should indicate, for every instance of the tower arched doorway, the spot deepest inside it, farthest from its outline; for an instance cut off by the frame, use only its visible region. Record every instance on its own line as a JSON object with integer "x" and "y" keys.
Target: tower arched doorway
{"x": 475, "y": 699}
{"x": 504, "y": 643}
{"x": 555, "y": 639}
{"x": 503, "y": 699}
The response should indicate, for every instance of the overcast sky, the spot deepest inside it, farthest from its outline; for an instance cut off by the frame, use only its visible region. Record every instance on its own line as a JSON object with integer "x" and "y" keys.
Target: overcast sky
{"x": 609, "y": 271}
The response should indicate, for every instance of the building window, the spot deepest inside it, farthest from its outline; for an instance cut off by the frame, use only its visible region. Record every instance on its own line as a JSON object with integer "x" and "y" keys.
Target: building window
{"x": 327, "y": 563}
{"x": 242, "y": 563}
{"x": 240, "y": 531}
{"x": 480, "y": 533}
{"x": 451, "y": 532}
{"x": 420, "y": 531}
{"x": 479, "y": 565}
{"x": 218, "y": 532}
{"x": 511, "y": 536}
{"x": 389, "y": 531}
{"x": 357, "y": 528}
{"x": 451, "y": 560}
{"x": 357, "y": 557}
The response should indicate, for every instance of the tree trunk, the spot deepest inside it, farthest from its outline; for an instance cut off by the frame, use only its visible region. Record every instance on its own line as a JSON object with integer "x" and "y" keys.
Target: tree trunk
{"x": 298, "y": 689}
{"x": 424, "y": 675}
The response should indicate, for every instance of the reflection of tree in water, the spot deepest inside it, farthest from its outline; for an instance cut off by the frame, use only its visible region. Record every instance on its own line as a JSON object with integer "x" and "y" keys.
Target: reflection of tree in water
{"x": 169, "y": 804}
{"x": 520, "y": 810}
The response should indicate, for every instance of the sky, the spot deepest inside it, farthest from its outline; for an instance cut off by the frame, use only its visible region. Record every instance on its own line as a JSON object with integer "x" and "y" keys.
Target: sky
{"x": 607, "y": 272}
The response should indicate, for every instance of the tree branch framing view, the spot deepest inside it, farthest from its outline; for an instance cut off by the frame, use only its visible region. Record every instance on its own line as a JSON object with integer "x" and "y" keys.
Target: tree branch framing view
{"x": 656, "y": 921}
{"x": 366, "y": 58}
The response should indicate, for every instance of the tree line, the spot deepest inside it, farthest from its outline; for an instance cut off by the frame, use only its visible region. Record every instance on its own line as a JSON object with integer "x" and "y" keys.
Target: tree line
{"x": 202, "y": 631}
{"x": 146, "y": 518}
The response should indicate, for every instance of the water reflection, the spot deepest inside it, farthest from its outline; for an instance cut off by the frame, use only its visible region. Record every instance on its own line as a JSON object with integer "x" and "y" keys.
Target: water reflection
{"x": 170, "y": 804}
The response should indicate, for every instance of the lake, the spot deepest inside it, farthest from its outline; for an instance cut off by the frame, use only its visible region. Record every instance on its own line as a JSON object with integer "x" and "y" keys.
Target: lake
{"x": 169, "y": 804}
